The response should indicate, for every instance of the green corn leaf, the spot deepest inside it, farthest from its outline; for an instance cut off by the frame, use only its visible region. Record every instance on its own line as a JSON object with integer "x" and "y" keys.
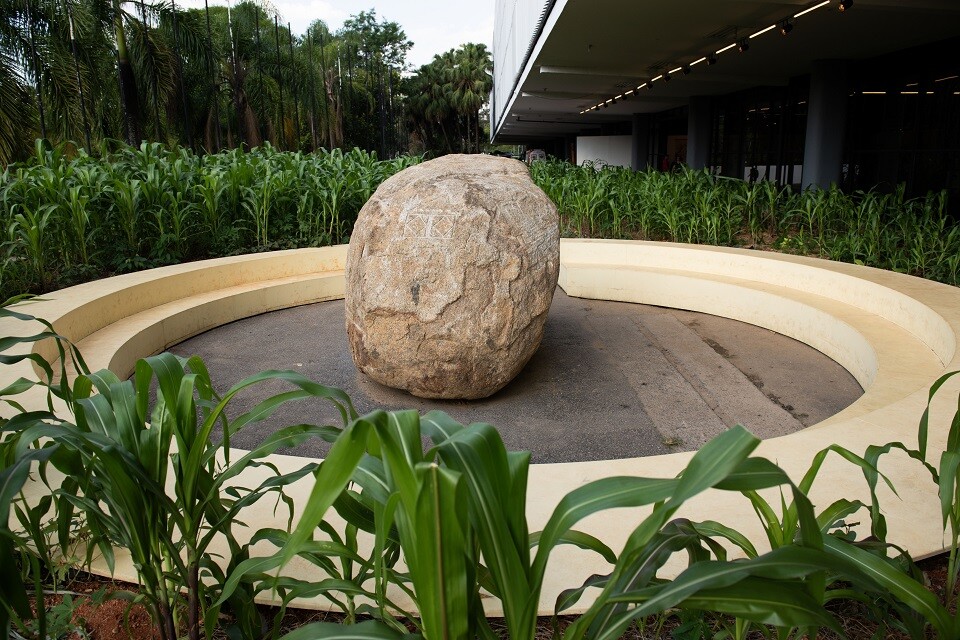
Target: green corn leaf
{"x": 355, "y": 512}
{"x": 338, "y": 397}
{"x": 370, "y": 630}
{"x": 583, "y": 541}
{"x": 772, "y": 526}
{"x": 591, "y": 498}
{"x": 753, "y": 474}
{"x": 13, "y": 478}
{"x": 332, "y": 477}
{"x": 949, "y": 466}
{"x": 868, "y": 467}
{"x": 18, "y": 386}
{"x": 281, "y": 438}
{"x": 833, "y": 515}
{"x": 895, "y": 583}
{"x": 714, "y": 462}
{"x": 599, "y": 495}
{"x": 496, "y": 507}
{"x": 786, "y": 563}
{"x": 878, "y": 522}
{"x": 168, "y": 371}
{"x": 439, "y": 427}
{"x": 292, "y": 588}
{"x": 323, "y": 548}
{"x": 779, "y": 603}
{"x": 713, "y": 529}
{"x": 636, "y": 569}
{"x": 13, "y": 593}
{"x": 245, "y": 569}
{"x": 266, "y": 408}
{"x": 570, "y": 597}
{"x": 401, "y": 451}
{"x": 441, "y": 574}
{"x": 925, "y": 418}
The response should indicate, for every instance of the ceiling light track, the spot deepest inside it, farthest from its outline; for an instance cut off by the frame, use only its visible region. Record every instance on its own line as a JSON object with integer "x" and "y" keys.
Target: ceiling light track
{"x": 783, "y": 27}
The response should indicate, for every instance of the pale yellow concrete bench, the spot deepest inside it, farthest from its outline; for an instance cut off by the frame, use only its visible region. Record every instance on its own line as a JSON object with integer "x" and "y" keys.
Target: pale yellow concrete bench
{"x": 894, "y": 333}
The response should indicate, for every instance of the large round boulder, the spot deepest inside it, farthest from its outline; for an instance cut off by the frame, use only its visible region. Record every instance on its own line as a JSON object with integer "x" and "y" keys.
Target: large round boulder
{"x": 450, "y": 273}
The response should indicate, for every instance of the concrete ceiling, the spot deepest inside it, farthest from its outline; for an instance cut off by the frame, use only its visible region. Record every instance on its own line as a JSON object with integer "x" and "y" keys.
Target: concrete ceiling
{"x": 598, "y": 49}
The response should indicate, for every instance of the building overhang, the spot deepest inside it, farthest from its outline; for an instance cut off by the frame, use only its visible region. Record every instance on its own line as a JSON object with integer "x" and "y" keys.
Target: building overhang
{"x": 591, "y": 51}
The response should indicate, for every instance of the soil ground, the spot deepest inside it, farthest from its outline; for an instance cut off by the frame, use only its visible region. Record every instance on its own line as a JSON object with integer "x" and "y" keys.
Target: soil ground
{"x": 112, "y": 619}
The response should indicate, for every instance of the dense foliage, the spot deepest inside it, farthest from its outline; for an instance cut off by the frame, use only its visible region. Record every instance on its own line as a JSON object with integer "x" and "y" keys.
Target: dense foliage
{"x": 449, "y": 500}
{"x": 70, "y": 219}
{"x": 226, "y": 77}
{"x": 887, "y": 231}
{"x": 445, "y": 100}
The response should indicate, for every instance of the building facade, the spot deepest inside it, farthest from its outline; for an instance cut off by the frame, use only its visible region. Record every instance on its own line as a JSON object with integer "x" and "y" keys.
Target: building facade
{"x": 861, "y": 93}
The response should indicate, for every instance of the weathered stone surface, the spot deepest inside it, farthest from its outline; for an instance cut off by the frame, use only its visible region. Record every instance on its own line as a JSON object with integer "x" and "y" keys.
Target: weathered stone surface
{"x": 450, "y": 274}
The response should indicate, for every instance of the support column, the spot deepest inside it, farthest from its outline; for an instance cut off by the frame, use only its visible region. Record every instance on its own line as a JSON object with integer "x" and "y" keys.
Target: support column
{"x": 826, "y": 123}
{"x": 570, "y": 148}
{"x": 640, "y": 145}
{"x": 699, "y": 130}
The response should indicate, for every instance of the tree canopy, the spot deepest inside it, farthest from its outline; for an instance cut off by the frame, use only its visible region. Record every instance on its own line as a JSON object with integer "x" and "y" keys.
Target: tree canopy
{"x": 445, "y": 98}
{"x": 93, "y": 71}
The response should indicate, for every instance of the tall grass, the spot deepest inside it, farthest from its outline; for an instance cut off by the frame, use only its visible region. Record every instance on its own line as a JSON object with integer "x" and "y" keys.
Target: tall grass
{"x": 888, "y": 231}
{"x": 66, "y": 219}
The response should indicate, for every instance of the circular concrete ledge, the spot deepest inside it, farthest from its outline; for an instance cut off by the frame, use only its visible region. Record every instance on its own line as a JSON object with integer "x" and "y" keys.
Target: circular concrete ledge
{"x": 896, "y": 334}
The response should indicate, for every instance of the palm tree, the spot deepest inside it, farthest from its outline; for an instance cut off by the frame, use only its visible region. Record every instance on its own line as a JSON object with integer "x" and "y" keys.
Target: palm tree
{"x": 40, "y": 79}
{"x": 94, "y": 70}
{"x": 470, "y": 83}
{"x": 145, "y": 37}
{"x": 429, "y": 105}
{"x": 16, "y": 111}
{"x": 446, "y": 97}
{"x": 57, "y": 58}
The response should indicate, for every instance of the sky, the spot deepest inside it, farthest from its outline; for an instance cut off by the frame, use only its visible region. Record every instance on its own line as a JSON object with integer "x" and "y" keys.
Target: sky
{"x": 434, "y": 26}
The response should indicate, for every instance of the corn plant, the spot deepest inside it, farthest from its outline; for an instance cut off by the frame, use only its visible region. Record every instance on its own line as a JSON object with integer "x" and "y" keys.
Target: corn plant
{"x": 14, "y": 598}
{"x": 27, "y": 236}
{"x": 457, "y": 509}
{"x": 116, "y": 455}
{"x": 139, "y": 207}
{"x": 454, "y": 508}
{"x": 208, "y": 193}
{"x": 30, "y": 544}
{"x": 889, "y": 231}
{"x": 79, "y": 219}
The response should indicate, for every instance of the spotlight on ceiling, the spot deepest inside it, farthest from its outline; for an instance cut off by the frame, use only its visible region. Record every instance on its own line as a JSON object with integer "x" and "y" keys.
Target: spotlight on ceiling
{"x": 845, "y": 4}
{"x": 786, "y": 27}
{"x": 743, "y": 45}
{"x": 686, "y": 70}
{"x": 711, "y": 60}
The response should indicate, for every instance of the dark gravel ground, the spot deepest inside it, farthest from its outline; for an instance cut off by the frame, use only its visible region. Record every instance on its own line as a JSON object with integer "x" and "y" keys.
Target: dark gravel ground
{"x": 610, "y": 380}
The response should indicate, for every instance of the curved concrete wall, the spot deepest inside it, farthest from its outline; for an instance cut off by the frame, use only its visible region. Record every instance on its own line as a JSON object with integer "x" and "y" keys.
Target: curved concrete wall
{"x": 895, "y": 333}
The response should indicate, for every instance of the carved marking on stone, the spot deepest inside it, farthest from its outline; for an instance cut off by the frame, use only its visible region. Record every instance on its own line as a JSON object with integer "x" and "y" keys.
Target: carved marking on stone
{"x": 430, "y": 225}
